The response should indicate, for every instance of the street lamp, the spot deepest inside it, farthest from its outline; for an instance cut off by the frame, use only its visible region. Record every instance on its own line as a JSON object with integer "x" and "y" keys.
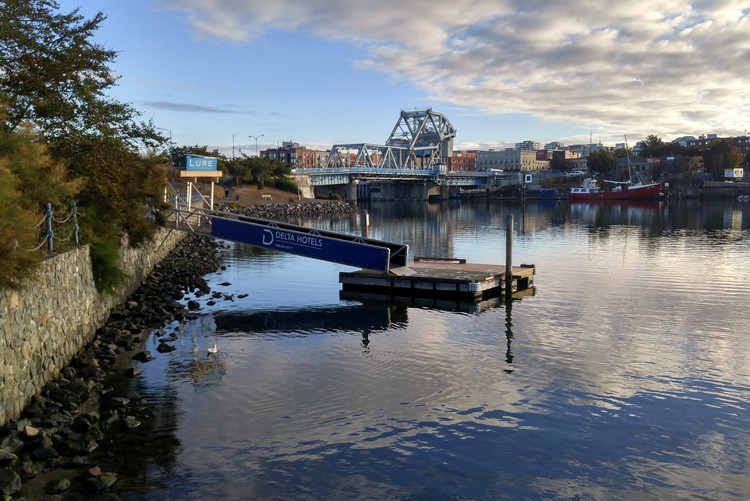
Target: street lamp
{"x": 257, "y": 153}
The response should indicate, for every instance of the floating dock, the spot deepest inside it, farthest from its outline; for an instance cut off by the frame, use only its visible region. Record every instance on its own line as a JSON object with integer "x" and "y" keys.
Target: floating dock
{"x": 441, "y": 278}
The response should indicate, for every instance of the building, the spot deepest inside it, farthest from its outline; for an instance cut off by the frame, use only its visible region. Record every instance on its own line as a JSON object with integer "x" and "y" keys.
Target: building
{"x": 462, "y": 161}
{"x": 511, "y": 160}
{"x": 528, "y": 146}
{"x": 645, "y": 168}
{"x": 741, "y": 142}
{"x": 299, "y": 157}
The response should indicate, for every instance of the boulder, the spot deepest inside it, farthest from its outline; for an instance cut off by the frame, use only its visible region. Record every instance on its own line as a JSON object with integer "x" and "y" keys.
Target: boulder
{"x": 57, "y": 486}
{"x": 10, "y": 482}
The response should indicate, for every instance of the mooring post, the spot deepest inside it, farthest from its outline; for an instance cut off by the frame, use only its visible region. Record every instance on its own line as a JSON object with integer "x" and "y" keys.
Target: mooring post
{"x": 509, "y": 258}
{"x": 74, "y": 208}
{"x": 364, "y": 222}
{"x": 50, "y": 233}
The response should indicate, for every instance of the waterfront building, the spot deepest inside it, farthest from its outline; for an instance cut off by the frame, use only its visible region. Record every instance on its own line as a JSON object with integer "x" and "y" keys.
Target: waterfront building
{"x": 299, "y": 157}
{"x": 511, "y": 160}
{"x": 462, "y": 161}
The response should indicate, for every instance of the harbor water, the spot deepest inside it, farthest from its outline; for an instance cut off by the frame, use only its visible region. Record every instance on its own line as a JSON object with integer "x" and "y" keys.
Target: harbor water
{"x": 624, "y": 373}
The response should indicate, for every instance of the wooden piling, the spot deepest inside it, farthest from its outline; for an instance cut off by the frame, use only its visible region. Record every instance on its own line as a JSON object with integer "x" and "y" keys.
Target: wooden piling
{"x": 509, "y": 258}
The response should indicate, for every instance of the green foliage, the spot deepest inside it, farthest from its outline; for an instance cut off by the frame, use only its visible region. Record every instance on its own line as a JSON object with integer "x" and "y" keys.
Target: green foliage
{"x": 54, "y": 78}
{"x": 286, "y": 184}
{"x": 653, "y": 146}
{"x": 264, "y": 172}
{"x": 15, "y": 237}
{"x": 620, "y": 153}
{"x": 720, "y": 155}
{"x": 104, "y": 251}
{"x": 601, "y": 162}
{"x": 30, "y": 177}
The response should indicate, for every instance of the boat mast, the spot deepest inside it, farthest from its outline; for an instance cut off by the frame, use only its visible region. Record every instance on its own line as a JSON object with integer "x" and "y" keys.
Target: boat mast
{"x": 627, "y": 156}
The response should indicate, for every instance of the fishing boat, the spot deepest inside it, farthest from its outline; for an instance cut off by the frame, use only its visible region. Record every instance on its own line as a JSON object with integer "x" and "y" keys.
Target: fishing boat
{"x": 632, "y": 189}
{"x": 623, "y": 190}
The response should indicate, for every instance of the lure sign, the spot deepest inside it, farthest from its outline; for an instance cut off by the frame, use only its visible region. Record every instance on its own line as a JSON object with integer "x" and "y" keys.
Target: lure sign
{"x": 201, "y": 163}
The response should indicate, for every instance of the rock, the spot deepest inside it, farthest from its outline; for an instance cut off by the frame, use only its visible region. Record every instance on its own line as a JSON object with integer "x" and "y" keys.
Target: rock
{"x": 57, "y": 486}
{"x": 101, "y": 482}
{"x": 11, "y": 444}
{"x": 10, "y": 482}
{"x": 81, "y": 424}
{"x": 81, "y": 444}
{"x": 45, "y": 452}
{"x": 130, "y": 422}
{"x": 7, "y": 458}
{"x": 27, "y": 471}
{"x": 193, "y": 305}
{"x": 143, "y": 356}
{"x": 30, "y": 432}
{"x": 165, "y": 348}
{"x": 33, "y": 411}
{"x": 132, "y": 372}
{"x": 119, "y": 402}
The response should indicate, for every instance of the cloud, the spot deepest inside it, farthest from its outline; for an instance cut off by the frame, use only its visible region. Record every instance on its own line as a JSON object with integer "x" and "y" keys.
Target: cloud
{"x": 637, "y": 67}
{"x": 193, "y": 108}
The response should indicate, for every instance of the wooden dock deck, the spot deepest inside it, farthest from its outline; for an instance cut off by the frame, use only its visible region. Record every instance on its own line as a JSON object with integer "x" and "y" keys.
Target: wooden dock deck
{"x": 444, "y": 278}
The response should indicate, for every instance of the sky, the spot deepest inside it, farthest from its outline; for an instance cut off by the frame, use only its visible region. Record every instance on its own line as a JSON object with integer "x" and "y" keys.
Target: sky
{"x": 218, "y": 73}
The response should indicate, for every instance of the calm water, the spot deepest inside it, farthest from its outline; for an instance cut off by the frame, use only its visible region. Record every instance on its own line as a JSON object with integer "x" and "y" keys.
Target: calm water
{"x": 625, "y": 375}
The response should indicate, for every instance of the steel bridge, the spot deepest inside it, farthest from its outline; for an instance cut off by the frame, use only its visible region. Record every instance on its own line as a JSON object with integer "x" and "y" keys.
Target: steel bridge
{"x": 417, "y": 150}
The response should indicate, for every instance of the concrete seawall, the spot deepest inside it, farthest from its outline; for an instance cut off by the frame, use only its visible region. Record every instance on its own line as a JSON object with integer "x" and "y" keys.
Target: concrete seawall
{"x": 56, "y": 313}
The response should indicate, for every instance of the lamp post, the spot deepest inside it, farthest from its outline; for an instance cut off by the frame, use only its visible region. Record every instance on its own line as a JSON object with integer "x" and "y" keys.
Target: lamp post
{"x": 257, "y": 153}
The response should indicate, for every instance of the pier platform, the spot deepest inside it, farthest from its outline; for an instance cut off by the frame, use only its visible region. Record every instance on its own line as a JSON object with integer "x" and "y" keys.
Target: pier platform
{"x": 441, "y": 278}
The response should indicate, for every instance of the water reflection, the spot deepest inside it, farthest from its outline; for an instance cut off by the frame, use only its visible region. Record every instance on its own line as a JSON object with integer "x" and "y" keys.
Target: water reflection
{"x": 351, "y": 318}
{"x": 509, "y": 335}
{"x": 623, "y": 378}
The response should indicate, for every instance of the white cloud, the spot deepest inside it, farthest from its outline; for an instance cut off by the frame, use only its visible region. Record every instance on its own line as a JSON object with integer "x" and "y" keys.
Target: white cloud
{"x": 635, "y": 67}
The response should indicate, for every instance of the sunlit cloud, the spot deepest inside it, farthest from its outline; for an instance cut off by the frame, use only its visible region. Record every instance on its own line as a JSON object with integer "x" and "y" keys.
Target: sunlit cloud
{"x": 635, "y": 67}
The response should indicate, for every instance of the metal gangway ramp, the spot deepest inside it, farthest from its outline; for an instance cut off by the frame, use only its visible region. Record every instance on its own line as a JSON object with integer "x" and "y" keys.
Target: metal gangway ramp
{"x": 194, "y": 213}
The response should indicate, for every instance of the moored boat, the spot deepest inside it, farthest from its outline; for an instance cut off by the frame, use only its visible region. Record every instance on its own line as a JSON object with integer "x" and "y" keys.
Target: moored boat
{"x": 591, "y": 191}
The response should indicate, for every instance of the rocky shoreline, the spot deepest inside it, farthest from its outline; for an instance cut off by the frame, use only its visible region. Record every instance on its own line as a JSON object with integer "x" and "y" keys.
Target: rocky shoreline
{"x": 51, "y": 449}
{"x": 292, "y": 210}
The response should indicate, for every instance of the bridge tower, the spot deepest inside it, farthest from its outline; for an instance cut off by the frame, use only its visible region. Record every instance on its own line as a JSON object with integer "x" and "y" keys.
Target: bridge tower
{"x": 426, "y": 133}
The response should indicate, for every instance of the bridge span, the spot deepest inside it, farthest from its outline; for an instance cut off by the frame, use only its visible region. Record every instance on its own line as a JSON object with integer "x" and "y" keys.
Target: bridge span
{"x": 410, "y": 165}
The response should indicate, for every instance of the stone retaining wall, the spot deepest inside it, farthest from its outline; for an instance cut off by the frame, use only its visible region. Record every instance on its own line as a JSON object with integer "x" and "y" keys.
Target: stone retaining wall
{"x": 56, "y": 313}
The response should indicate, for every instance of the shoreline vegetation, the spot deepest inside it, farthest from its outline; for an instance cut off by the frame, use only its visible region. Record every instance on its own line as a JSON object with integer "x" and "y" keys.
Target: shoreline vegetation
{"x": 53, "y": 448}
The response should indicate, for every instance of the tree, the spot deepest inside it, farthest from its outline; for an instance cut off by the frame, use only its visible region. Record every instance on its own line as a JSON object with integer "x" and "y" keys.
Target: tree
{"x": 720, "y": 155}
{"x": 54, "y": 79}
{"x": 54, "y": 76}
{"x": 653, "y": 146}
{"x": 601, "y": 162}
{"x": 28, "y": 175}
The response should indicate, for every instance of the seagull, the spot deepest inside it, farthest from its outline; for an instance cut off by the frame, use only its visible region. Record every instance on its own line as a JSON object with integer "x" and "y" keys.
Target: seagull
{"x": 213, "y": 350}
